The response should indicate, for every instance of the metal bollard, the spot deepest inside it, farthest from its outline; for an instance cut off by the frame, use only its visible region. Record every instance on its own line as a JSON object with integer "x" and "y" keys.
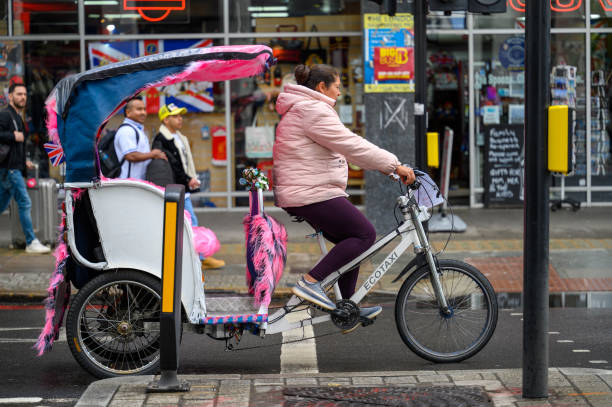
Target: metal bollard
{"x": 170, "y": 317}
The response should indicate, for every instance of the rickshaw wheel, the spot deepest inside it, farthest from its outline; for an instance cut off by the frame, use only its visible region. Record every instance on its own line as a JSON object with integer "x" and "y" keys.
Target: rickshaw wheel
{"x": 112, "y": 326}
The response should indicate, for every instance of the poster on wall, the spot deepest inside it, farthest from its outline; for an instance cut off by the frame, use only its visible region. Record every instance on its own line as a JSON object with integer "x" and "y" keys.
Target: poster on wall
{"x": 194, "y": 96}
{"x": 11, "y": 67}
{"x": 388, "y": 53}
{"x": 504, "y": 165}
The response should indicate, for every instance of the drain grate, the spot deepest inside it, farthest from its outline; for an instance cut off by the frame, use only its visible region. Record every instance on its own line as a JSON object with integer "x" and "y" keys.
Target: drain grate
{"x": 416, "y": 396}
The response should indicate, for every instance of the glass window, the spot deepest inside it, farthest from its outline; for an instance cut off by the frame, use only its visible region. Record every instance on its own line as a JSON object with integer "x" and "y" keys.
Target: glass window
{"x": 46, "y": 62}
{"x": 3, "y": 19}
{"x": 447, "y": 102}
{"x": 564, "y": 14}
{"x": 49, "y": 17}
{"x": 457, "y": 20}
{"x": 568, "y": 88}
{"x": 203, "y": 124}
{"x": 500, "y": 96}
{"x": 253, "y": 103}
{"x": 294, "y": 15}
{"x": 601, "y": 13}
{"x": 601, "y": 98}
{"x": 11, "y": 67}
{"x": 131, "y": 17}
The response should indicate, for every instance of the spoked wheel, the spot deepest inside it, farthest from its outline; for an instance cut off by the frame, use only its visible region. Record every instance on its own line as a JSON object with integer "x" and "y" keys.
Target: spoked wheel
{"x": 453, "y": 336}
{"x": 112, "y": 325}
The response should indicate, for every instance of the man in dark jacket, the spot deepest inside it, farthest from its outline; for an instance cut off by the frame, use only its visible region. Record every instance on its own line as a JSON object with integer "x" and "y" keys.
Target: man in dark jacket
{"x": 13, "y": 167}
{"x": 176, "y": 146}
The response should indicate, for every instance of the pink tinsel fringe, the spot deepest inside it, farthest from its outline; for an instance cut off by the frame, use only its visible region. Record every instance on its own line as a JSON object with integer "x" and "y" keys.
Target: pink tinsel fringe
{"x": 268, "y": 238}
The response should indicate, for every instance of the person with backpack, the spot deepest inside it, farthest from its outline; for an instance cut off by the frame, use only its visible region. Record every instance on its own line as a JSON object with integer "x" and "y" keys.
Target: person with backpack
{"x": 132, "y": 144}
{"x": 176, "y": 147}
{"x": 13, "y": 163}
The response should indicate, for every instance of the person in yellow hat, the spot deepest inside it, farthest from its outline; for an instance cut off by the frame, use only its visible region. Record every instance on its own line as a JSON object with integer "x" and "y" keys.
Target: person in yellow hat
{"x": 176, "y": 146}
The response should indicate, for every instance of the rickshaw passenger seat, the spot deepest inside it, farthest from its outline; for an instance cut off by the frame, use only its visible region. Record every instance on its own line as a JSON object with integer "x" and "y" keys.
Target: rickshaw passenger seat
{"x": 87, "y": 241}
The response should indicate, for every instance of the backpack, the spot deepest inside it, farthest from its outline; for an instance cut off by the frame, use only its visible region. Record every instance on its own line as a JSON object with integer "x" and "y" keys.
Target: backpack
{"x": 109, "y": 163}
{"x": 160, "y": 173}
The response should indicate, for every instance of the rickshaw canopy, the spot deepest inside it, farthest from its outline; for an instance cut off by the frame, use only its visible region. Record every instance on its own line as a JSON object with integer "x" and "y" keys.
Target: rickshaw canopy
{"x": 80, "y": 105}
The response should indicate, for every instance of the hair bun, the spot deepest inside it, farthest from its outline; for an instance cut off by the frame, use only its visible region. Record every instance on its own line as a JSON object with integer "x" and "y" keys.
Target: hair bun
{"x": 302, "y": 72}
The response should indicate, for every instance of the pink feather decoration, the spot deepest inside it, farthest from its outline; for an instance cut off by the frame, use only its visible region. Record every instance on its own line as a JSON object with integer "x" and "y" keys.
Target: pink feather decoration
{"x": 56, "y": 290}
{"x": 268, "y": 239}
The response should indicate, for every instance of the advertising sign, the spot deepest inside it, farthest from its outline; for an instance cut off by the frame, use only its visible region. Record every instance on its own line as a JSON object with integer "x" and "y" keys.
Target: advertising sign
{"x": 389, "y": 53}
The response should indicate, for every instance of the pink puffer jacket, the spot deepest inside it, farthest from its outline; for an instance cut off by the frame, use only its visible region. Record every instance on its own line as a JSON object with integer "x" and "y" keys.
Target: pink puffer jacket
{"x": 312, "y": 147}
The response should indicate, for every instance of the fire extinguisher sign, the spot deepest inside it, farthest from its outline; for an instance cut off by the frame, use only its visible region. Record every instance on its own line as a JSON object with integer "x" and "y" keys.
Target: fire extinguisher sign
{"x": 389, "y": 52}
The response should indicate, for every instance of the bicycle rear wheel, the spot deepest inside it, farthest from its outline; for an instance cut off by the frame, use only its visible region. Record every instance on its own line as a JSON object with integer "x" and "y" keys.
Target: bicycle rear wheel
{"x": 440, "y": 337}
{"x": 112, "y": 325}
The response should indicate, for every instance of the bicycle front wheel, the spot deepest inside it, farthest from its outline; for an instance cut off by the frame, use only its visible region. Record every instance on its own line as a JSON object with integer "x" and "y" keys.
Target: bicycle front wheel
{"x": 446, "y": 337}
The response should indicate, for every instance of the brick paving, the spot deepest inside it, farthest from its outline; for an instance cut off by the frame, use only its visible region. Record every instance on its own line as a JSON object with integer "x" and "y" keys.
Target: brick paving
{"x": 567, "y": 387}
{"x": 506, "y": 275}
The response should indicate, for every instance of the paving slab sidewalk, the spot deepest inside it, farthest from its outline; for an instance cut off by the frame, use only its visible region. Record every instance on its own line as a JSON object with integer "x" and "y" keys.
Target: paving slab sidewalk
{"x": 580, "y": 253}
{"x": 567, "y": 387}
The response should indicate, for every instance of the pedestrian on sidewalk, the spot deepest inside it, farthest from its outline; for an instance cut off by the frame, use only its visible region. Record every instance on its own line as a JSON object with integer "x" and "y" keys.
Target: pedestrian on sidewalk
{"x": 176, "y": 147}
{"x": 132, "y": 143}
{"x": 310, "y": 177}
{"x": 13, "y": 166}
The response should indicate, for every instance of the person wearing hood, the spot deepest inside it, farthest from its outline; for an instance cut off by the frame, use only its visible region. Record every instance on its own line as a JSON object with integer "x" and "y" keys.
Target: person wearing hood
{"x": 310, "y": 175}
{"x": 176, "y": 146}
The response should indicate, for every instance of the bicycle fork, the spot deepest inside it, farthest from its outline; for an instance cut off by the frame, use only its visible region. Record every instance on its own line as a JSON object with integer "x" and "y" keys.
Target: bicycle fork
{"x": 433, "y": 270}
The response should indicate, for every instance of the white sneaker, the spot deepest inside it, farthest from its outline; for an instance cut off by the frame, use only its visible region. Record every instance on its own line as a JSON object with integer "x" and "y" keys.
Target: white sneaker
{"x": 37, "y": 247}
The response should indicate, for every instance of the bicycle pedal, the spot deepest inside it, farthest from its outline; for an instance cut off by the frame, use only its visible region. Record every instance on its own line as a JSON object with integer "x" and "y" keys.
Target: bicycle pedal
{"x": 366, "y": 321}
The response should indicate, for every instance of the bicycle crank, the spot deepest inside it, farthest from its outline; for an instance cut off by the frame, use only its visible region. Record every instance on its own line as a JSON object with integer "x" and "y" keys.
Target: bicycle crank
{"x": 346, "y": 314}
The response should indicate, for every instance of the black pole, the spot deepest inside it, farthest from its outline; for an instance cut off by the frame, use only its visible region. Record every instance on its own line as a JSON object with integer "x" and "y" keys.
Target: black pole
{"x": 172, "y": 271}
{"x": 537, "y": 184}
{"x": 420, "y": 83}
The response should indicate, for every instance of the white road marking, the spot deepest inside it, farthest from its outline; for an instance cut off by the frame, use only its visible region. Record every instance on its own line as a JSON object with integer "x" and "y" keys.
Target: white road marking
{"x": 62, "y": 338}
{"x": 565, "y": 341}
{"x": 22, "y": 329}
{"x": 299, "y": 357}
{"x": 21, "y": 400}
{"x": 598, "y": 361}
{"x": 516, "y": 314}
{"x": 553, "y": 333}
{"x": 580, "y": 350}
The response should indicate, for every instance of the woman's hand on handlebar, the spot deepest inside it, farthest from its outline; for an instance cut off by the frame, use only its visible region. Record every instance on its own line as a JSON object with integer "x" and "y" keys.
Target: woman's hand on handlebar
{"x": 406, "y": 174}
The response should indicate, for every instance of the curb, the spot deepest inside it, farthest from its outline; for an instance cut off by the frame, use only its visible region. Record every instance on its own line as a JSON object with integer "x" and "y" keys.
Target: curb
{"x": 101, "y": 392}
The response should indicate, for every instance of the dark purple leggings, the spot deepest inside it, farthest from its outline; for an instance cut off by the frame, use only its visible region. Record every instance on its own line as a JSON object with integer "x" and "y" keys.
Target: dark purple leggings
{"x": 345, "y": 226}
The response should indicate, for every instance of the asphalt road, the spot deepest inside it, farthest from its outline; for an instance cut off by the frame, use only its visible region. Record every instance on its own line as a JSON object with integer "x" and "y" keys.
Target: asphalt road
{"x": 59, "y": 380}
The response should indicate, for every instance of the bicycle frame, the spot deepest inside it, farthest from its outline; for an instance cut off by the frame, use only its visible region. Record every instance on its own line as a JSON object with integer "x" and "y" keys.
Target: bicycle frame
{"x": 412, "y": 233}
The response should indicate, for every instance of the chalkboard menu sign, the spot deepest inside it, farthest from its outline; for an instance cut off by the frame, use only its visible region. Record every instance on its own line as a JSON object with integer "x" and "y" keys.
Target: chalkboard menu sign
{"x": 504, "y": 162}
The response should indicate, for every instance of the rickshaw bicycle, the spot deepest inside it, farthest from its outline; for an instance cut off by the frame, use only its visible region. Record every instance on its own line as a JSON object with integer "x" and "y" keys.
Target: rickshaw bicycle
{"x": 445, "y": 310}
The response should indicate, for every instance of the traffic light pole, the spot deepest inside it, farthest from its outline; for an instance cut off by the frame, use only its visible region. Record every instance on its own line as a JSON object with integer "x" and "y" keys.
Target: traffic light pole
{"x": 536, "y": 214}
{"x": 420, "y": 83}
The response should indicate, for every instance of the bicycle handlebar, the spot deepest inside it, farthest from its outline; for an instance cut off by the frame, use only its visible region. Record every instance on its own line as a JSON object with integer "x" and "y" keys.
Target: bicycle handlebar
{"x": 416, "y": 184}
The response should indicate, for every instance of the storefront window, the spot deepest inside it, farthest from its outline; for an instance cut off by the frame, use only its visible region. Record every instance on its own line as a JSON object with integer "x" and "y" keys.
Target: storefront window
{"x": 601, "y": 127}
{"x": 564, "y": 14}
{"x": 203, "y": 124}
{"x": 56, "y": 17}
{"x": 253, "y": 102}
{"x": 131, "y": 17}
{"x": 601, "y": 13}
{"x": 447, "y": 102}
{"x": 295, "y": 15}
{"x": 438, "y": 20}
{"x": 3, "y": 19}
{"x": 45, "y": 63}
{"x": 500, "y": 104}
{"x": 499, "y": 87}
{"x": 568, "y": 70}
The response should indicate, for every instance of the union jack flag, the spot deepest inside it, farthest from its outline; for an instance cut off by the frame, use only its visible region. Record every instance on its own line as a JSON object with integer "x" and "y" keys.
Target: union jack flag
{"x": 194, "y": 96}
{"x": 55, "y": 153}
